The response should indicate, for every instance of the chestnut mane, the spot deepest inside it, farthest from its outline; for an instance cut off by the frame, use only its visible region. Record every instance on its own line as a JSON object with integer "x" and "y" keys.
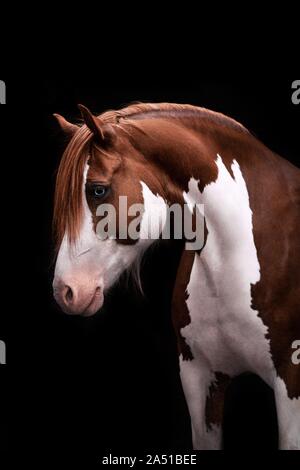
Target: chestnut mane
{"x": 68, "y": 193}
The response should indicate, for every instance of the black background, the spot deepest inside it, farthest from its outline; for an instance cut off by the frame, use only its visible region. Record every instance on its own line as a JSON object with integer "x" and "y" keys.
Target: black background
{"x": 110, "y": 384}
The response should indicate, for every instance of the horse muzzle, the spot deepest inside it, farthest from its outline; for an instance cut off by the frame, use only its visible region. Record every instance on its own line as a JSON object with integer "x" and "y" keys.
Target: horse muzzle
{"x": 78, "y": 297}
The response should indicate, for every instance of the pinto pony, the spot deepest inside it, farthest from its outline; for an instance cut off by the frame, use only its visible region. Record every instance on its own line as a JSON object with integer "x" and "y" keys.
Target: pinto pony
{"x": 236, "y": 301}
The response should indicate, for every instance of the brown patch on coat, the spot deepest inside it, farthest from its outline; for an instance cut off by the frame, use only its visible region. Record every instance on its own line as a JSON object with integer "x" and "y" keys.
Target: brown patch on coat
{"x": 180, "y": 313}
{"x": 178, "y": 159}
{"x": 214, "y": 408}
{"x": 277, "y": 295}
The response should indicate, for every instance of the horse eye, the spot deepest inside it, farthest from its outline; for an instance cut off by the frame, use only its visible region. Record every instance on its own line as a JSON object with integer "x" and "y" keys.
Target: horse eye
{"x": 99, "y": 191}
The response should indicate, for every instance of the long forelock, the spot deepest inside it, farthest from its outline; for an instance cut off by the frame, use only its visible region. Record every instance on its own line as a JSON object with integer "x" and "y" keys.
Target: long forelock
{"x": 68, "y": 207}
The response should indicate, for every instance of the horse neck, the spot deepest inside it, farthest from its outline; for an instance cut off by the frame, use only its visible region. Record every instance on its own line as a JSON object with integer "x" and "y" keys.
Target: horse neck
{"x": 243, "y": 185}
{"x": 180, "y": 150}
{"x": 193, "y": 158}
{"x": 183, "y": 150}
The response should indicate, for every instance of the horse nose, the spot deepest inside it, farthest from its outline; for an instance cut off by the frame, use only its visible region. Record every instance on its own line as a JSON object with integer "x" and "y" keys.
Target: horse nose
{"x": 78, "y": 296}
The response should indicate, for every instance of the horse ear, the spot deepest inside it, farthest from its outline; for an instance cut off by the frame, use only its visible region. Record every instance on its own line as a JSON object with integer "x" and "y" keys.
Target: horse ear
{"x": 67, "y": 128}
{"x": 103, "y": 132}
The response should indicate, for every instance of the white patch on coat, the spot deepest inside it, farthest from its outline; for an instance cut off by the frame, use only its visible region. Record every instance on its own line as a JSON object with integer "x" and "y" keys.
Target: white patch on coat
{"x": 225, "y": 331}
{"x": 154, "y": 216}
{"x": 225, "y": 334}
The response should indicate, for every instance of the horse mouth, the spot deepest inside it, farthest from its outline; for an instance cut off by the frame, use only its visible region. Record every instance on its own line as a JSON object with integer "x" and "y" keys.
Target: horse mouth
{"x": 95, "y": 304}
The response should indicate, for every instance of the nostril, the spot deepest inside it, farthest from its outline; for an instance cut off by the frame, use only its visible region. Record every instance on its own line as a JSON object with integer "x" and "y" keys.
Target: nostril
{"x": 68, "y": 294}
{"x": 98, "y": 291}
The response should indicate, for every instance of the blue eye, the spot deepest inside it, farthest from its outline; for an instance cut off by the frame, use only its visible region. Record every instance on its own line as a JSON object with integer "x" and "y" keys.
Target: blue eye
{"x": 96, "y": 190}
{"x": 99, "y": 191}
